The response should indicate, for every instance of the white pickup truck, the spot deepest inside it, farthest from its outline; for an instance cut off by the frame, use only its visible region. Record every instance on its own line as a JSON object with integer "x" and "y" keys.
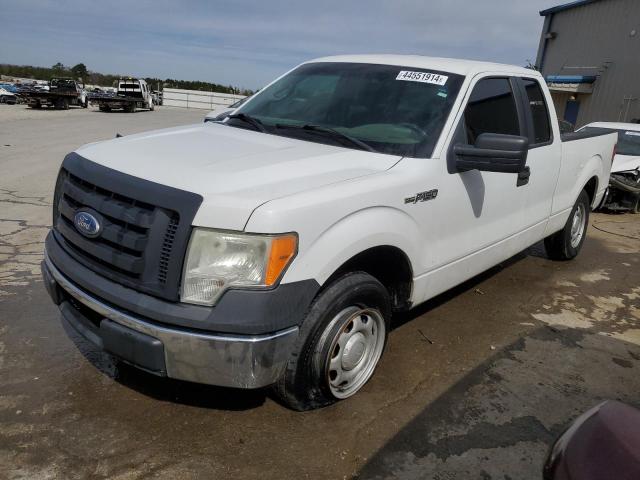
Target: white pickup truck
{"x": 273, "y": 249}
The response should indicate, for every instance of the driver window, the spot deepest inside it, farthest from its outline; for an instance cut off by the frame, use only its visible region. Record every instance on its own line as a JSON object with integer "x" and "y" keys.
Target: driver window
{"x": 491, "y": 109}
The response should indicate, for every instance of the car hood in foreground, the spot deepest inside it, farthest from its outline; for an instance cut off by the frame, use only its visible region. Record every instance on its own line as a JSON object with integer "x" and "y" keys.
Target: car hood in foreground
{"x": 235, "y": 170}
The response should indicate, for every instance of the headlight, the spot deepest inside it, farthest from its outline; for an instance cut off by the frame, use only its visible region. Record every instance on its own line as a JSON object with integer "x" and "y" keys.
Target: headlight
{"x": 219, "y": 260}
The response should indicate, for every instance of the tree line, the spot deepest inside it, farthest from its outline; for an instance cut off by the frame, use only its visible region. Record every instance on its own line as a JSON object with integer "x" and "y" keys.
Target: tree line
{"x": 80, "y": 71}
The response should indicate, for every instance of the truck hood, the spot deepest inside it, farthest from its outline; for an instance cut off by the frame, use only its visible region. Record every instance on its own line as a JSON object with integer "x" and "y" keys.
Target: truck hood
{"x": 233, "y": 169}
{"x": 623, "y": 163}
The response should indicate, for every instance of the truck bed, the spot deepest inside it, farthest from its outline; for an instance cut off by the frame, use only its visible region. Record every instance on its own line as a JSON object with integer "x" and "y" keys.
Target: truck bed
{"x": 571, "y": 136}
{"x": 112, "y": 98}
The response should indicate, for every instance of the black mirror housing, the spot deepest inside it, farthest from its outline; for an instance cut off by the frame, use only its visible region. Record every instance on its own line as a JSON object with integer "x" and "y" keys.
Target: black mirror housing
{"x": 493, "y": 152}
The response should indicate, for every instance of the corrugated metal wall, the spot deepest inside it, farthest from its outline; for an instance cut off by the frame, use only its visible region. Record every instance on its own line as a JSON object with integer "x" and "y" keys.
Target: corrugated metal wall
{"x": 175, "y": 97}
{"x": 598, "y": 39}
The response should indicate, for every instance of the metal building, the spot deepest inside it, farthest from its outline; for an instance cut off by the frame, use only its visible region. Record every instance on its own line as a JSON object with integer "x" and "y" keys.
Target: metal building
{"x": 589, "y": 53}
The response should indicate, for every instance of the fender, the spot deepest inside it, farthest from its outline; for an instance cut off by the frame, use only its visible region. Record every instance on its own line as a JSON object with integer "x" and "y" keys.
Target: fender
{"x": 353, "y": 234}
{"x": 563, "y": 204}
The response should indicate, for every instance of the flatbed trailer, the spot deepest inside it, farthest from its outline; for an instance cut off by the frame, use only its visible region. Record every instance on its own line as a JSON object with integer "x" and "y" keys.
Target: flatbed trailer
{"x": 62, "y": 93}
{"x": 114, "y": 101}
{"x": 131, "y": 95}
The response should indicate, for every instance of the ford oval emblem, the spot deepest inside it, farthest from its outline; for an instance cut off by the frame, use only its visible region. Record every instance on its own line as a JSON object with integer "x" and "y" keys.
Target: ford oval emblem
{"x": 87, "y": 223}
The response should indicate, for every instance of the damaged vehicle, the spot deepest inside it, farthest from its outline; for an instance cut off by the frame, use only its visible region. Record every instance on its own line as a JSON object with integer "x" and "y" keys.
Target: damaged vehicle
{"x": 623, "y": 194}
{"x": 272, "y": 249}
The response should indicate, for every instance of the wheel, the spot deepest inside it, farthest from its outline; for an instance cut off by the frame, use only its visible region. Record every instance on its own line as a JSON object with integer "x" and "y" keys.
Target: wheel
{"x": 62, "y": 104}
{"x": 152, "y": 107}
{"x": 85, "y": 104}
{"x": 636, "y": 207}
{"x": 104, "y": 108}
{"x": 340, "y": 343}
{"x": 566, "y": 244}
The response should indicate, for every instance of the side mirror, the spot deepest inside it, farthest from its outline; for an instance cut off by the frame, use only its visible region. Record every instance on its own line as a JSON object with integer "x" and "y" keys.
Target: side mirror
{"x": 493, "y": 152}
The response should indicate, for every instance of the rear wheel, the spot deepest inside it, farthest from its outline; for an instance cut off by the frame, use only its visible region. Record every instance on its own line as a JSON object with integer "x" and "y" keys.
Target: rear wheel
{"x": 104, "y": 108}
{"x": 340, "y": 343}
{"x": 567, "y": 243}
{"x": 62, "y": 104}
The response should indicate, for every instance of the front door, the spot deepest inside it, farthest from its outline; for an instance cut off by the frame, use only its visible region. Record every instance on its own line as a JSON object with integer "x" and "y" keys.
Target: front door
{"x": 477, "y": 217}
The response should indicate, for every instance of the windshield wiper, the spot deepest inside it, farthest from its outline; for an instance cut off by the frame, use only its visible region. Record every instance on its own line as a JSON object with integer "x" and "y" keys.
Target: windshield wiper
{"x": 253, "y": 121}
{"x": 330, "y": 132}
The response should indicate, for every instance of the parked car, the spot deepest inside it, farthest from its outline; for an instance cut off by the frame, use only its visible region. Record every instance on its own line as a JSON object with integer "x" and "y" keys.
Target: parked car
{"x": 273, "y": 248}
{"x": 623, "y": 193}
{"x": 7, "y": 97}
{"x": 223, "y": 111}
{"x": 603, "y": 443}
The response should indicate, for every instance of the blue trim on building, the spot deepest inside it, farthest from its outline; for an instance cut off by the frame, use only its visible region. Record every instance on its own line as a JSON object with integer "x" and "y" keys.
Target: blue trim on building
{"x": 570, "y": 78}
{"x": 565, "y": 6}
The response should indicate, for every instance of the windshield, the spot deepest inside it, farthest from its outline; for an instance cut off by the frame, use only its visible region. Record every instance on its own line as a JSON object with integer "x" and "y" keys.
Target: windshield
{"x": 628, "y": 140}
{"x": 393, "y": 109}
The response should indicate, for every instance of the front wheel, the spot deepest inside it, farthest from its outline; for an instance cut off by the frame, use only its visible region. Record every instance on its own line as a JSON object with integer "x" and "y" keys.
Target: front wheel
{"x": 567, "y": 243}
{"x": 340, "y": 343}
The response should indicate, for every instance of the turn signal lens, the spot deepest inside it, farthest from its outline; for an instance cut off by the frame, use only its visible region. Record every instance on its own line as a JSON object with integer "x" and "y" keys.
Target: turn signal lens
{"x": 283, "y": 249}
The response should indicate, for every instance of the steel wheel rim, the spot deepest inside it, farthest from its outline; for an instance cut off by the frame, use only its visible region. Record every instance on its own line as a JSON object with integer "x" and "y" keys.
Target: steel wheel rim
{"x": 355, "y": 350}
{"x": 577, "y": 225}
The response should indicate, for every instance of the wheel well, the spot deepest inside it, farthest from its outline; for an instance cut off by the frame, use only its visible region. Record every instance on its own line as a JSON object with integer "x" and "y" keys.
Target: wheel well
{"x": 389, "y": 265}
{"x": 590, "y": 188}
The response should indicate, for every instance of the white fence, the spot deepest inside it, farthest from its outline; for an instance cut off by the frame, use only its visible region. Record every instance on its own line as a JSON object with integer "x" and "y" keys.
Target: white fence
{"x": 175, "y": 97}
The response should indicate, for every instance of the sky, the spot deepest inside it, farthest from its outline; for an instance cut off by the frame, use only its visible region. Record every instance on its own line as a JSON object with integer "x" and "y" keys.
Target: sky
{"x": 247, "y": 43}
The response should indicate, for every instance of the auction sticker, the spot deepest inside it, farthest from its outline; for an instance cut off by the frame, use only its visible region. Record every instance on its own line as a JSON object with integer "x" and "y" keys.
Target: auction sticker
{"x": 422, "y": 77}
{"x": 633, "y": 134}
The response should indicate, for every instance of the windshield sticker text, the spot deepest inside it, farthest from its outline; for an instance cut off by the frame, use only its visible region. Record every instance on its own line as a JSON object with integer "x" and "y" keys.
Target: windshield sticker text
{"x": 422, "y": 77}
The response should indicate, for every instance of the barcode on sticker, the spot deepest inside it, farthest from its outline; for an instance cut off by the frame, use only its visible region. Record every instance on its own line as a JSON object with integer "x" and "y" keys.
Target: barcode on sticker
{"x": 423, "y": 77}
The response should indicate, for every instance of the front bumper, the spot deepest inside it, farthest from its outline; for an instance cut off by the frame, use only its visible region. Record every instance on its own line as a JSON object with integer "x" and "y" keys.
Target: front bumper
{"x": 243, "y": 361}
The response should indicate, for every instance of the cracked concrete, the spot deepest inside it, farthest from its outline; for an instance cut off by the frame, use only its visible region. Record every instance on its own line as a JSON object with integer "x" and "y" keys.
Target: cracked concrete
{"x": 504, "y": 372}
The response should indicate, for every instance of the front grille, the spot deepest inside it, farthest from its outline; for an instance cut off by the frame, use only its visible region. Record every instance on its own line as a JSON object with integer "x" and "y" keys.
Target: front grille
{"x": 143, "y": 239}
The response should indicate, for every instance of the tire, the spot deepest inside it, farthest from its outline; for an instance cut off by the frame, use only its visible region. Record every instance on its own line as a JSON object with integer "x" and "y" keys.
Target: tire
{"x": 567, "y": 243}
{"x": 85, "y": 104}
{"x": 104, "y": 108}
{"x": 340, "y": 343}
{"x": 636, "y": 208}
{"x": 62, "y": 104}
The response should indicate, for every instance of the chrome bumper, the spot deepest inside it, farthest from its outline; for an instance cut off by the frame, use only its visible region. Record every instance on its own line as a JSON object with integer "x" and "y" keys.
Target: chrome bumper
{"x": 226, "y": 360}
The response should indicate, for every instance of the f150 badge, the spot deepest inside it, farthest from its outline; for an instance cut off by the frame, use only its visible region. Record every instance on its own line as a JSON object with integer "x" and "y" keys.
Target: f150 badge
{"x": 422, "y": 196}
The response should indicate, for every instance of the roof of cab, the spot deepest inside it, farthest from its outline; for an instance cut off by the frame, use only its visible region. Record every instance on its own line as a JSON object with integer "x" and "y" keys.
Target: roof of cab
{"x": 452, "y": 65}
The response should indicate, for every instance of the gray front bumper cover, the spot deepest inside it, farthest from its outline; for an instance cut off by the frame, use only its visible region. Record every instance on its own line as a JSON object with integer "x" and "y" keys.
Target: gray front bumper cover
{"x": 243, "y": 361}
